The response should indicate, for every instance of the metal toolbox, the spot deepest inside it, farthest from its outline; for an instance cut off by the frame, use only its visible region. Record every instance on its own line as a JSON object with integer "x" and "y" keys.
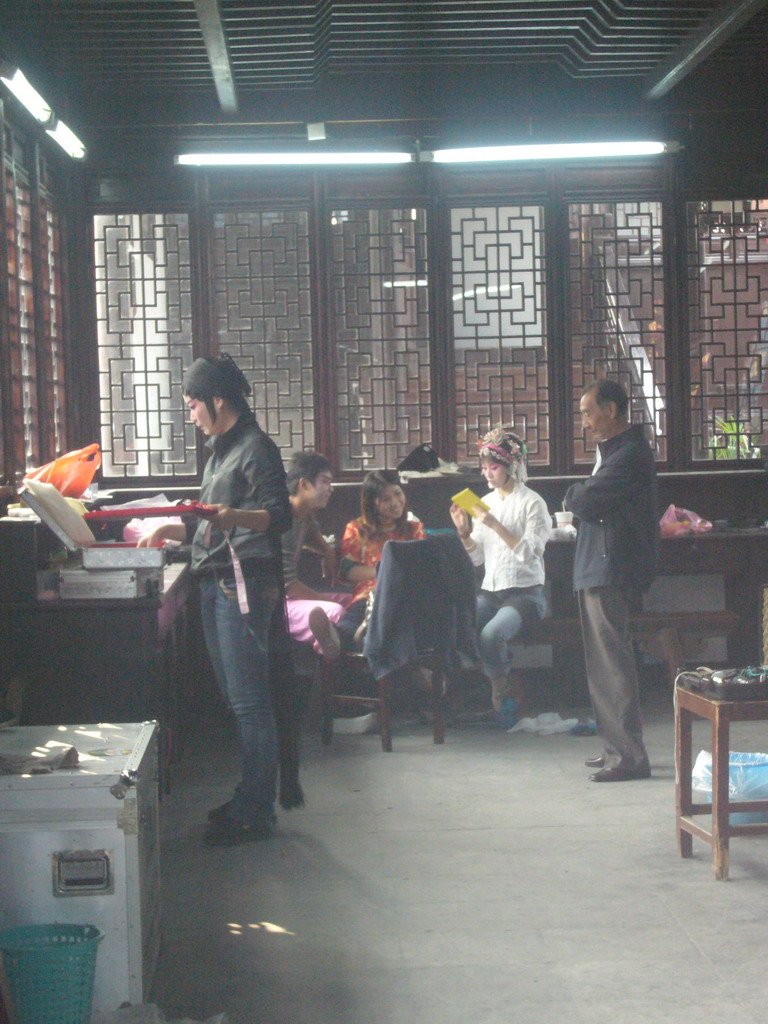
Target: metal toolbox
{"x": 122, "y": 556}
{"x": 81, "y": 846}
{"x": 77, "y": 584}
{"x": 109, "y": 569}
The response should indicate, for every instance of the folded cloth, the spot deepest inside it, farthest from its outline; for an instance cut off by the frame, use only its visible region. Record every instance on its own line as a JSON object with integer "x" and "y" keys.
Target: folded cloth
{"x": 40, "y": 761}
{"x": 544, "y": 725}
{"x": 135, "y": 529}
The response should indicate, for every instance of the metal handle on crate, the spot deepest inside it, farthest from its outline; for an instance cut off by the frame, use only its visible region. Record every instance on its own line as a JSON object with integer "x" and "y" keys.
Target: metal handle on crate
{"x": 127, "y": 779}
{"x": 129, "y": 776}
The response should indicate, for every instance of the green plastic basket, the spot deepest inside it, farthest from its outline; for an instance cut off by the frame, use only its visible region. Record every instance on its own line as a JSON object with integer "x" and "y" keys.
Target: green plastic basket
{"x": 50, "y": 970}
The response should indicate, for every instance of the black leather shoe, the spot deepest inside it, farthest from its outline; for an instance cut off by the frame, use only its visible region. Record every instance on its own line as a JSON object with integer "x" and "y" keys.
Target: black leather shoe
{"x": 220, "y": 812}
{"x": 595, "y": 762}
{"x": 620, "y": 774}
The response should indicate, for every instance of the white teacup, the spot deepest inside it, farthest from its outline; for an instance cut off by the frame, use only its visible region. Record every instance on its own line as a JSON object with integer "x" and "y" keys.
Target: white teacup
{"x": 564, "y": 518}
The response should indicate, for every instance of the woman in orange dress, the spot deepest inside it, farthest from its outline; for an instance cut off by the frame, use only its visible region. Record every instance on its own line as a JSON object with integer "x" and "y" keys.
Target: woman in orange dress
{"x": 384, "y": 517}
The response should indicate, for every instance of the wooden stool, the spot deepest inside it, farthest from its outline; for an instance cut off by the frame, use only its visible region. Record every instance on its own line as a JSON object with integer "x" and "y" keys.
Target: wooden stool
{"x": 720, "y": 713}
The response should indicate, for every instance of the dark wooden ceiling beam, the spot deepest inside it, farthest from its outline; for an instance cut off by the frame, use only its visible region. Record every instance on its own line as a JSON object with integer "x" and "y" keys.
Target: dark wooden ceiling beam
{"x": 214, "y": 37}
{"x": 699, "y": 45}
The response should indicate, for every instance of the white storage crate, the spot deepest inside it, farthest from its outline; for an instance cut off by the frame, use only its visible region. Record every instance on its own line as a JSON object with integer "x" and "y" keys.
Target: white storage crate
{"x": 81, "y": 846}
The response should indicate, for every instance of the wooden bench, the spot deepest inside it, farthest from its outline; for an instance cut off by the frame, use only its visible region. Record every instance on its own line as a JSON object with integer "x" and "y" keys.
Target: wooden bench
{"x": 667, "y": 629}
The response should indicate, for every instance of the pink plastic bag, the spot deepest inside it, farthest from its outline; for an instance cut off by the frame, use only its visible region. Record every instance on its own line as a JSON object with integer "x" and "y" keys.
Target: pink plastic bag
{"x": 676, "y": 522}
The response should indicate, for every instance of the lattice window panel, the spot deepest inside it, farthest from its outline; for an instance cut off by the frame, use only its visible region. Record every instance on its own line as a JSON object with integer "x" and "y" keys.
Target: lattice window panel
{"x": 144, "y": 323}
{"x": 51, "y": 327}
{"x": 499, "y": 325}
{"x": 264, "y": 316}
{"x": 21, "y": 308}
{"x": 616, "y": 312}
{"x": 727, "y": 259}
{"x": 380, "y": 331}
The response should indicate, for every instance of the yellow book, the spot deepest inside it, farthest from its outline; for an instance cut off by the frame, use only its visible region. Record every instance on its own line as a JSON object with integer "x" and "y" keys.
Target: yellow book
{"x": 467, "y": 500}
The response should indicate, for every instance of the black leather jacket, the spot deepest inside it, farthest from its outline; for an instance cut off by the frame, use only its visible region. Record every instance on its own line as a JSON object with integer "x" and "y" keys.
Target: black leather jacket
{"x": 245, "y": 470}
{"x": 617, "y": 542}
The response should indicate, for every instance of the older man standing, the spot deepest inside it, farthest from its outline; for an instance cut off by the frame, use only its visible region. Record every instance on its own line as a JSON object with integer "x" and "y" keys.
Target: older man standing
{"x": 616, "y": 554}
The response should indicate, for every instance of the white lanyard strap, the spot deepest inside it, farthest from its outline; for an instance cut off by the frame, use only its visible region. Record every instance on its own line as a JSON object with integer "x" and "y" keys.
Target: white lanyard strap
{"x": 242, "y": 593}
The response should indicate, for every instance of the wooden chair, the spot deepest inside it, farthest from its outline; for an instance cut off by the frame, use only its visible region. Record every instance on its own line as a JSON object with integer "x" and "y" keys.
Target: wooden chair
{"x": 423, "y": 616}
{"x": 334, "y": 700}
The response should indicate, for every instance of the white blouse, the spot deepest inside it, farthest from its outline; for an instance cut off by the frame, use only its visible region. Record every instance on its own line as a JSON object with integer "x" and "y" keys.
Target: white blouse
{"x": 524, "y": 513}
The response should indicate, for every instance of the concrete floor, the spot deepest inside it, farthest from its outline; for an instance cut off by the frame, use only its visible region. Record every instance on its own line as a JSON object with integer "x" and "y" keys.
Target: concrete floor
{"x": 483, "y": 881}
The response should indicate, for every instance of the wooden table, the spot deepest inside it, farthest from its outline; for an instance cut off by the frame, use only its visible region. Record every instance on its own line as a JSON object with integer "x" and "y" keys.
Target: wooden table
{"x": 720, "y": 713}
{"x": 740, "y": 557}
{"x": 105, "y": 660}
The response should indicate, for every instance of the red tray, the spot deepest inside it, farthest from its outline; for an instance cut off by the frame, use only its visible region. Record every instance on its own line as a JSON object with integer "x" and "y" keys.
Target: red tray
{"x": 184, "y": 508}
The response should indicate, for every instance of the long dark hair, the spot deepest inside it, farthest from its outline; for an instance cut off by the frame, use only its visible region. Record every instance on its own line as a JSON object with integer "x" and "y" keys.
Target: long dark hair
{"x": 374, "y": 486}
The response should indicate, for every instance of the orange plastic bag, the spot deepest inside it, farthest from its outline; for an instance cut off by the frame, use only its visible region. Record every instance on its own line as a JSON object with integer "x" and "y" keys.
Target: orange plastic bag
{"x": 676, "y": 522}
{"x": 70, "y": 474}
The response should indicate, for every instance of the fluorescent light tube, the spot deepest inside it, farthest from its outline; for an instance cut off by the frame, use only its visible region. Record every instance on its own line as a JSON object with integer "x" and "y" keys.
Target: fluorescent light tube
{"x": 286, "y": 159}
{"x": 67, "y": 139}
{"x": 553, "y": 151}
{"x": 28, "y": 96}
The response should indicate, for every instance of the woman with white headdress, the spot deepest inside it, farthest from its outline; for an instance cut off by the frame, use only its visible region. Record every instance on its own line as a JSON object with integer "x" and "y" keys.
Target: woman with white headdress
{"x": 508, "y": 539}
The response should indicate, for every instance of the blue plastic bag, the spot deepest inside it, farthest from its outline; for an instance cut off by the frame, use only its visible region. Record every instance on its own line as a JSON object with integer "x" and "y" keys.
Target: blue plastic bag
{"x": 747, "y": 780}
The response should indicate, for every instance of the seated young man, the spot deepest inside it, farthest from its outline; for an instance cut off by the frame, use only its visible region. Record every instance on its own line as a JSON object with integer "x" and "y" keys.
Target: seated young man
{"x": 309, "y": 489}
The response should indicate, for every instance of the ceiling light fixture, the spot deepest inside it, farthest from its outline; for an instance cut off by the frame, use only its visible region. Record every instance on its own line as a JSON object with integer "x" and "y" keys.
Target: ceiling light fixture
{"x": 289, "y": 159}
{"x": 476, "y": 154}
{"x": 551, "y": 151}
{"x": 41, "y": 110}
{"x": 27, "y": 95}
{"x": 67, "y": 139}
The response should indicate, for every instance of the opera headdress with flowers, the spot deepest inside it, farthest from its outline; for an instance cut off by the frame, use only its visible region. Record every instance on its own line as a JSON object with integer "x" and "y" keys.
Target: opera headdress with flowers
{"x": 503, "y": 445}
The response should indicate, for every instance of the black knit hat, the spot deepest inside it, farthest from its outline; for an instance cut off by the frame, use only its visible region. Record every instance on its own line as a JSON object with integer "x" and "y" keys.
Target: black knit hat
{"x": 221, "y": 377}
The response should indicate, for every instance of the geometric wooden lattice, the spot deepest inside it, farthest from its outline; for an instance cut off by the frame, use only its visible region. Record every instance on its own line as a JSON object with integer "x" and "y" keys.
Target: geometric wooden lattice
{"x": 616, "y": 312}
{"x": 144, "y": 333}
{"x": 727, "y": 259}
{"x": 21, "y": 311}
{"x": 261, "y": 282}
{"x": 51, "y": 327}
{"x": 499, "y": 326}
{"x": 380, "y": 334}
{"x": 33, "y": 427}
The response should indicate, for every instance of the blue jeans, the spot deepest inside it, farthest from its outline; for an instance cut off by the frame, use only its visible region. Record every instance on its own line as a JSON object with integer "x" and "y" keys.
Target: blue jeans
{"x": 239, "y": 652}
{"x": 501, "y": 614}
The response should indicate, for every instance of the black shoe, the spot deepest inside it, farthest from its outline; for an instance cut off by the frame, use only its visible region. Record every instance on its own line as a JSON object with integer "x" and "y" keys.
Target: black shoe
{"x": 220, "y": 812}
{"x": 226, "y": 831}
{"x": 592, "y": 762}
{"x": 620, "y": 774}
